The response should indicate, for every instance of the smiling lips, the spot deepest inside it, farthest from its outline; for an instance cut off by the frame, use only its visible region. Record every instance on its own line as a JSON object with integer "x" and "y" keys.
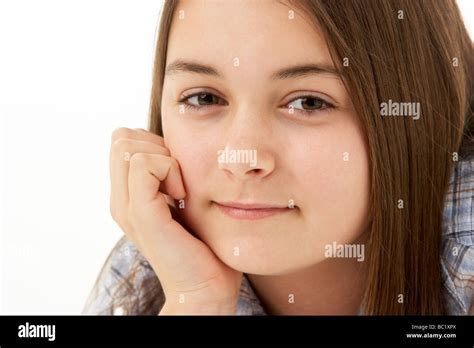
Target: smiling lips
{"x": 242, "y": 211}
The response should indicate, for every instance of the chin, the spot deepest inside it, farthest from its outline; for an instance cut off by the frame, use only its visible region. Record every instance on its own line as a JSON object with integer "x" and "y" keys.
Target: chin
{"x": 256, "y": 262}
{"x": 251, "y": 266}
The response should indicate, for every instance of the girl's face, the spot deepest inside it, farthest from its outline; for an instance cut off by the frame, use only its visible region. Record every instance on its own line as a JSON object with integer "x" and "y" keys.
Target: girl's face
{"x": 304, "y": 148}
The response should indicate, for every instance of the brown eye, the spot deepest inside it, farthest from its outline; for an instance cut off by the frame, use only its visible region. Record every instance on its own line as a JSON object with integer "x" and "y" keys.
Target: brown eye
{"x": 206, "y": 98}
{"x": 312, "y": 103}
{"x": 308, "y": 104}
{"x": 201, "y": 99}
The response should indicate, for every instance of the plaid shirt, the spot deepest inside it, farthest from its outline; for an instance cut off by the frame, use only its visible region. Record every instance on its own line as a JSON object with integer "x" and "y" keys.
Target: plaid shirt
{"x": 457, "y": 262}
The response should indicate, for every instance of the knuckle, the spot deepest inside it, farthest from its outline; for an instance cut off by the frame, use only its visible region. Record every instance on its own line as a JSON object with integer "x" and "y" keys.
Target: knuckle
{"x": 138, "y": 160}
{"x": 121, "y": 132}
{"x": 121, "y": 145}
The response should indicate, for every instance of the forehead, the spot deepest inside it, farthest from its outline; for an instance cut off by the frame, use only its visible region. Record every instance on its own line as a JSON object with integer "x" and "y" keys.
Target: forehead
{"x": 262, "y": 34}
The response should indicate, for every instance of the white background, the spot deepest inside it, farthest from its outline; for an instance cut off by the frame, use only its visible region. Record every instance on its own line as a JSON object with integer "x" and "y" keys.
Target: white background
{"x": 70, "y": 72}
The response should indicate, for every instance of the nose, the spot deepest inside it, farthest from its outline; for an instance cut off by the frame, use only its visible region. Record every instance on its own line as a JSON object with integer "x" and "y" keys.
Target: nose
{"x": 245, "y": 162}
{"x": 247, "y": 151}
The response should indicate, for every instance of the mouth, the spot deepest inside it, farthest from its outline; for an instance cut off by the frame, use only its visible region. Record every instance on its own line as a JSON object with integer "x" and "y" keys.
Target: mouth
{"x": 254, "y": 211}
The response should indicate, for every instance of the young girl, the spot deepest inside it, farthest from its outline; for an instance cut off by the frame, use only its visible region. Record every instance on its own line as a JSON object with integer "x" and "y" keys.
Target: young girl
{"x": 302, "y": 157}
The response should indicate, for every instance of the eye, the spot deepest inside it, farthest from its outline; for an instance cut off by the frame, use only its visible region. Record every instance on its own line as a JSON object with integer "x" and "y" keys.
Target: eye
{"x": 306, "y": 104}
{"x": 309, "y": 104}
{"x": 200, "y": 100}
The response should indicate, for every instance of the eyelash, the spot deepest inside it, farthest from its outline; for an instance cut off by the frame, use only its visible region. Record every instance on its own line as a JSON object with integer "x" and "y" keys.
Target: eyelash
{"x": 326, "y": 106}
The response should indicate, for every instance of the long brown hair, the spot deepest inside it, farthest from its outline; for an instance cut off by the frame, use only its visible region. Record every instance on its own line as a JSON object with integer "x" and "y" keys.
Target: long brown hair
{"x": 406, "y": 51}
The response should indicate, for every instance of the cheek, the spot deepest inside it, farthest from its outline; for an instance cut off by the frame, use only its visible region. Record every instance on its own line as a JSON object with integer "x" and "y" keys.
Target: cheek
{"x": 333, "y": 177}
{"x": 196, "y": 157}
{"x": 196, "y": 153}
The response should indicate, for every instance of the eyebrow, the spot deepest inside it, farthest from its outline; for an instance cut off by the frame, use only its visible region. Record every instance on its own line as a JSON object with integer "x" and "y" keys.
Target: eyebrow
{"x": 302, "y": 70}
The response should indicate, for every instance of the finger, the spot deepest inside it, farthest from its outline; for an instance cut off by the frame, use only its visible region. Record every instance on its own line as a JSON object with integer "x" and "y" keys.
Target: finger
{"x": 150, "y": 173}
{"x": 121, "y": 152}
{"x": 137, "y": 134}
{"x": 162, "y": 238}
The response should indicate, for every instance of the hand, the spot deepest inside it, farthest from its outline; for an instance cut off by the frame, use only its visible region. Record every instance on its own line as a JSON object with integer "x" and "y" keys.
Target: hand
{"x": 142, "y": 173}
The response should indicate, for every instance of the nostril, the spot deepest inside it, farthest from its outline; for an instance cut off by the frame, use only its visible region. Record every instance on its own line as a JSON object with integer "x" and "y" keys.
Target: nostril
{"x": 256, "y": 171}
